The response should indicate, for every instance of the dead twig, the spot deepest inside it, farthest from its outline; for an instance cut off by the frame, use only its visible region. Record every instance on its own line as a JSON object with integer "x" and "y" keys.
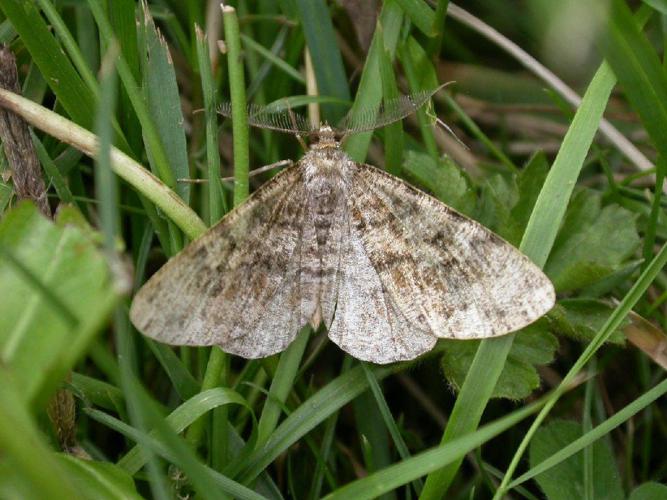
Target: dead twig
{"x": 15, "y": 136}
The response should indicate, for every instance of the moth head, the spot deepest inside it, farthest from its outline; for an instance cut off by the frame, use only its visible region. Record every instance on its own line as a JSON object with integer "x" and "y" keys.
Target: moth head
{"x": 325, "y": 137}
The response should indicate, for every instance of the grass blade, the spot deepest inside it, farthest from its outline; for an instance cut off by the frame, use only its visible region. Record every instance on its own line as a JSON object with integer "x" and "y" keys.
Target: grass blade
{"x": 610, "y": 326}
{"x": 323, "y": 47}
{"x": 216, "y": 199}
{"x": 77, "y": 99}
{"x": 416, "y": 466}
{"x": 311, "y": 413}
{"x": 369, "y": 93}
{"x": 638, "y": 69}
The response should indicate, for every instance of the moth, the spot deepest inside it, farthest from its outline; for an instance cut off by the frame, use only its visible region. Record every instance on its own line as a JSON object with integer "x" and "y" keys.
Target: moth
{"x": 386, "y": 268}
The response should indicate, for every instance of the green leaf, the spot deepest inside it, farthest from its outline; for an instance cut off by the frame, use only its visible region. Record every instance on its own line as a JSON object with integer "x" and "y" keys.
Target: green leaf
{"x": 59, "y": 285}
{"x": 443, "y": 178}
{"x": 28, "y": 464}
{"x": 582, "y": 318}
{"x": 565, "y": 481}
{"x": 421, "y": 75}
{"x": 324, "y": 51}
{"x": 529, "y": 182}
{"x": 421, "y": 15}
{"x": 534, "y": 345}
{"x": 649, "y": 491}
{"x": 499, "y": 195}
{"x": 98, "y": 479}
{"x": 593, "y": 243}
{"x": 179, "y": 419}
{"x": 370, "y": 91}
{"x": 311, "y": 413}
{"x": 164, "y": 103}
{"x": 637, "y": 67}
{"x": 98, "y": 393}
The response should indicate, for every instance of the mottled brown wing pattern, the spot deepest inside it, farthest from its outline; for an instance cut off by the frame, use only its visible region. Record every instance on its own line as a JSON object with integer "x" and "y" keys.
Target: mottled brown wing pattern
{"x": 367, "y": 323}
{"x": 238, "y": 286}
{"x": 446, "y": 273}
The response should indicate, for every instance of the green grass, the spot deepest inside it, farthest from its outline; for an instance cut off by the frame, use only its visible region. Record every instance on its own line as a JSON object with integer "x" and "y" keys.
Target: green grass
{"x": 311, "y": 422}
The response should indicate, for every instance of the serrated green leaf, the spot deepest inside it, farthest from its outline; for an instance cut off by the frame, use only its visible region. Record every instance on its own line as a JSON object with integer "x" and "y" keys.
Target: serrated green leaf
{"x": 164, "y": 103}
{"x": 533, "y": 346}
{"x": 611, "y": 231}
{"x": 581, "y": 319}
{"x": 565, "y": 481}
{"x": 34, "y": 329}
{"x": 649, "y": 491}
{"x": 529, "y": 183}
{"x": 499, "y": 194}
{"x": 442, "y": 178}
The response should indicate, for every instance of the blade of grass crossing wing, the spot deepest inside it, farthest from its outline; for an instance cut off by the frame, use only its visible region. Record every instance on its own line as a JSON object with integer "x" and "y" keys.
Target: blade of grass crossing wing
{"x": 216, "y": 199}
{"x": 393, "y": 133}
{"x": 537, "y": 242}
{"x": 218, "y": 362}
{"x": 125, "y": 348}
{"x": 421, "y": 75}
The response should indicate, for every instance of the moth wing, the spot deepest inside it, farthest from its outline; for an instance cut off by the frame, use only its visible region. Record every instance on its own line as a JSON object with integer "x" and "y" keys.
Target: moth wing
{"x": 446, "y": 273}
{"x": 238, "y": 286}
{"x": 367, "y": 322}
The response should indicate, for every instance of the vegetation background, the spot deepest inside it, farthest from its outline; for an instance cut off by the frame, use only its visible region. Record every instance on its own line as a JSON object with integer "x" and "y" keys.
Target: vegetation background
{"x": 571, "y": 407}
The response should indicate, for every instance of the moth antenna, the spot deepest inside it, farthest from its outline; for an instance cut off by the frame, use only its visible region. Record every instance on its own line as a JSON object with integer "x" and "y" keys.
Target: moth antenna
{"x": 257, "y": 171}
{"x": 369, "y": 118}
{"x": 438, "y": 121}
{"x": 292, "y": 117}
